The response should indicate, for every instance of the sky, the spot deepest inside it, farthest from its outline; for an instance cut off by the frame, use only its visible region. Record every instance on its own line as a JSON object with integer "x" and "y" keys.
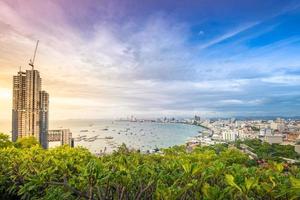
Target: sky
{"x": 155, "y": 58}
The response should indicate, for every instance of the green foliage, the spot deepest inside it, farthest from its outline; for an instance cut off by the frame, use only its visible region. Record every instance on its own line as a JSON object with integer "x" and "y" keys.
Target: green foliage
{"x": 215, "y": 172}
{"x": 27, "y": 142}
{"x": 271, "y": 151}
{"x": 4, "y": 141}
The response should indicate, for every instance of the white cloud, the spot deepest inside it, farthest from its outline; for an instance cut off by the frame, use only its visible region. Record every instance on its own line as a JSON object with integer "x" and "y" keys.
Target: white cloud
{"x": 116, "y": 69}
{"x": 228, "y": 35}
{"x": 284, "y": 80}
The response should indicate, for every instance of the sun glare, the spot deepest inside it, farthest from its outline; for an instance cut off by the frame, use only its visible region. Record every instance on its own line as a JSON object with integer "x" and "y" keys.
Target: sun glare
{"x": 5, "y": 93}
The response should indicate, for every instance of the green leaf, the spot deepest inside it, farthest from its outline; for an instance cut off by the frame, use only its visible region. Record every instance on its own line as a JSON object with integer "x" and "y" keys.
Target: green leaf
{"x": 230, "y": 181}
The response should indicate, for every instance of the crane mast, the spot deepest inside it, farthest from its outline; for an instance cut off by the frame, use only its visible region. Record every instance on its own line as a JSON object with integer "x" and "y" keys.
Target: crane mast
{"x": 31, "y": 62}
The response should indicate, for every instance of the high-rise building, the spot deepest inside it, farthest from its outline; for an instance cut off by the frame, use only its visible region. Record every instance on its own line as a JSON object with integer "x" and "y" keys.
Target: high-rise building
{"x": 18, "y": 109}
{"x": 30, "y": 106}
{"x": 44, "y": 119}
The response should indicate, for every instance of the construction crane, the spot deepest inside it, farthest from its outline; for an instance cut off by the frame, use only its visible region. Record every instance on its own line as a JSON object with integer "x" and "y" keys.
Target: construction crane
{"x": 31, "y": 62}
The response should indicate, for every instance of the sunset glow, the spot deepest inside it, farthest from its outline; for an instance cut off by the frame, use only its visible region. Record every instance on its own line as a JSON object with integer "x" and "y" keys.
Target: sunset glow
{"x": 102, "y": 59}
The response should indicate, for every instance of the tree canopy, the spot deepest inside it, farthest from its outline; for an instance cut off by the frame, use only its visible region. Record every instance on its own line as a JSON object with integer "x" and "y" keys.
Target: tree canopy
{"x": 4, "y": 141}
{"x": 216, "y": 172}
{"x": 27, "y": 142}
{"x": 268, "y": 151}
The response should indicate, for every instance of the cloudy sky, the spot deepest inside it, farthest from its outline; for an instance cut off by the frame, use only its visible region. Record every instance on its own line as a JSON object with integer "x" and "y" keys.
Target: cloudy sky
{"x": 152, "y": 58}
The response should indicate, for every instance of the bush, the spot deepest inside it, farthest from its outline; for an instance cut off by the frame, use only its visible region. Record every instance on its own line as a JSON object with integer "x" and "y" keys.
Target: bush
{"x": 272, "y": 151}
{"x": 27, "y": 142}
{"x": 206, "y": 173}
{"x": 4, "y": 141}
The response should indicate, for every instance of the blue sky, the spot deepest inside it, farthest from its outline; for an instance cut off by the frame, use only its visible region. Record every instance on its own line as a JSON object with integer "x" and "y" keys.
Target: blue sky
{"x": 101, "y": 59}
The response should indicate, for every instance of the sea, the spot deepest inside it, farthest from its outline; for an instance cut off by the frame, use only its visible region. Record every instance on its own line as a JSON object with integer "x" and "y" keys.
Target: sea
{"x": 106, "y": 135}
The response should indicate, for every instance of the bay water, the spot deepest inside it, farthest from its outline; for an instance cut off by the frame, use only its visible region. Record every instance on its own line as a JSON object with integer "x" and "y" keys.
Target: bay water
{"x": 110, "y": 134}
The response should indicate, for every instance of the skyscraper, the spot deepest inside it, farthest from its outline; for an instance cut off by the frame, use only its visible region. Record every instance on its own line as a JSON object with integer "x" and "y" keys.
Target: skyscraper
{"x": 30, "y": 106}
{"x": 44, "y": 120}
{"x": 18, "y": 109}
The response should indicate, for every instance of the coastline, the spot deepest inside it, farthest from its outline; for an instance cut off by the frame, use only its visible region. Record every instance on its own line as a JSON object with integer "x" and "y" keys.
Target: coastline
{"x": 136, "y": 135}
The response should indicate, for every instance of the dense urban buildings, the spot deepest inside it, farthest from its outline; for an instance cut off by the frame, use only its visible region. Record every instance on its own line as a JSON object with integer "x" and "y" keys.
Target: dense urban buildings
{"x": 30, "y": 106}
{"x": 273, "y": 131}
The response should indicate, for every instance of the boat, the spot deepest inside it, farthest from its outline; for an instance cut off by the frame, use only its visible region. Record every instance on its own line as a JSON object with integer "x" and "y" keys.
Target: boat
{"x": 84, "y": 131}
{"x": 81, "y": 137}
{"x": 92, "y": 139}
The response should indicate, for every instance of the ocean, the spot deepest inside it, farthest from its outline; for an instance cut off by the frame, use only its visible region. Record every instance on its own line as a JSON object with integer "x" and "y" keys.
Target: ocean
{"x": 110, "y": 134}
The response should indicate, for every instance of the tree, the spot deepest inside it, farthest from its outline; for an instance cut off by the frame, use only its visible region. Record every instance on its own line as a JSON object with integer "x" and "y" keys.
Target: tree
{"x": 27, "y": 142}
{"x": 4, "y": 141}
{"x": 216, "y": 172}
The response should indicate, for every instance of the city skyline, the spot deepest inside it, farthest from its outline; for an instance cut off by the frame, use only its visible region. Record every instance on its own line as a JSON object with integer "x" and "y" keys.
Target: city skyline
{"x": 104, "y": 59}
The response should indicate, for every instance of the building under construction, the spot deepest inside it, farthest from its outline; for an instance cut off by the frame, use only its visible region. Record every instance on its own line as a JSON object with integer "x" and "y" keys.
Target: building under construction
{"x": 30, "y": 106}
